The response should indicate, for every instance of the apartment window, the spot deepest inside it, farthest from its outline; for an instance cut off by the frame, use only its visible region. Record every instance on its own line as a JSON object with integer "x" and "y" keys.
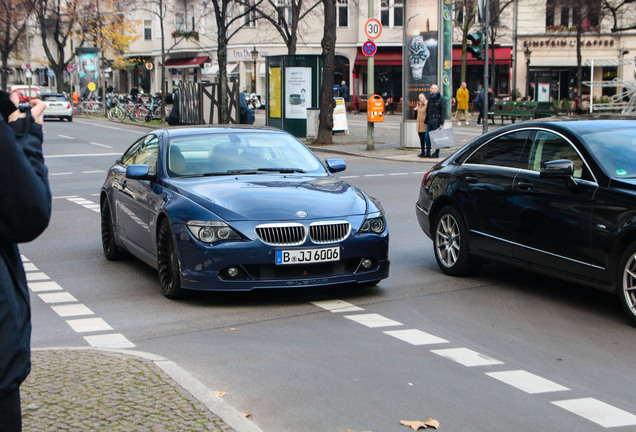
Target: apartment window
{"x": 459, "y": 16}
{"x": 147, "y": 29}
{"x": 179, "y": 21}
{"x": 343, "y": 13}
{"x": 392, "y": 13}
{"x": 191, "y": 18}
{"x": 284, "y": 12}
{"x": 250, "y": 17}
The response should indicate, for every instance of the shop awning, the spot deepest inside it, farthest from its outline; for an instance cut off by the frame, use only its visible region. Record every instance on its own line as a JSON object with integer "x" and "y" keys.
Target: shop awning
{"x": 384, "y": 57}
{"x": 186, "y": 63}
{"x": 502, "y": 56}
{"x": 214, "y": 69}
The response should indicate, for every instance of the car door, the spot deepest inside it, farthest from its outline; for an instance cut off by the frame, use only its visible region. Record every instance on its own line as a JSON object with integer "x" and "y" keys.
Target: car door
{"x": 487, "y": 176}
{"x": 135, "y": 198}
{"x": 553, "y": 215}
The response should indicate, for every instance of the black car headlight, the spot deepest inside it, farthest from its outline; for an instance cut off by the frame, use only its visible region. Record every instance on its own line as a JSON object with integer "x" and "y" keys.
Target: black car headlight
{"x": 373, "y": 224}
{"x": 212, "y": 231}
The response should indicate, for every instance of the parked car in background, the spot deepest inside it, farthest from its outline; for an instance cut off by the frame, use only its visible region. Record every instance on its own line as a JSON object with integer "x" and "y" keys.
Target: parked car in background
{"x": 552, "y": 197}
{"x": 57, "y": 106}
{"x": 25, "y": 92}
{"x": 237, "y": 209}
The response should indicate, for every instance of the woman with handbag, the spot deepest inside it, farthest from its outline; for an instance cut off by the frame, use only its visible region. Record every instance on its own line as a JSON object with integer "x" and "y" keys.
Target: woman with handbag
{"x": 435, "y": 111}
{"x": 420, "y": 110}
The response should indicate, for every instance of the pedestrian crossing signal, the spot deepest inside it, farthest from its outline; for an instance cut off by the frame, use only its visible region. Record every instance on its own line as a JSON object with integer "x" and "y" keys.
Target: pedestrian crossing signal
{"x": 476, "y": 45}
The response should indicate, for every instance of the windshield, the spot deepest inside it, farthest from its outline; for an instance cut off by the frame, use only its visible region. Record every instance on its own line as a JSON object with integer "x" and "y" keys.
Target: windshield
{"x": 239, "y": 153}
{"x": 615, "y": 149}
{"x": 53, "y": 98}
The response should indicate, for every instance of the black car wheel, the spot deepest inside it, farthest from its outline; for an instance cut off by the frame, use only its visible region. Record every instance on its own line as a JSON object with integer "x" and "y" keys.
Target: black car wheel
{"x": 451, "y": 244}
{"x": 168, "y": 262}
{"x": 111, "y": 250}
{"x": 627, "y": 280}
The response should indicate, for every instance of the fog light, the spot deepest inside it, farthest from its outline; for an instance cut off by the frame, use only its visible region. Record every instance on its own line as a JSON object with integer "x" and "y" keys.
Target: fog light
{"x": 367, "y": 263}
{"x": 232, "y": 272}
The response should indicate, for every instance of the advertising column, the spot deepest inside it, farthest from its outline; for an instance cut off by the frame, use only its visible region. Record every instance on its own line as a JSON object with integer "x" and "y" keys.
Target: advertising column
{"x": 426, "y": 58}
{"x": 88, "y": 71}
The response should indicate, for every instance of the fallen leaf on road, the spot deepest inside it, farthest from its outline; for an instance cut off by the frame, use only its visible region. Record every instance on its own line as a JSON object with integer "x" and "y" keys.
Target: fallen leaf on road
{"x": 231, "y": 329}
{"x": 221, "y": 393}
{"x": 246, "y": 415}
{"x": 417, "y": 424}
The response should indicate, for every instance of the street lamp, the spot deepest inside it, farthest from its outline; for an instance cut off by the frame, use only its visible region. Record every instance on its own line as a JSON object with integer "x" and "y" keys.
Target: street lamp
{"x": 254, "y": 57}
{"x": 527, "y": 53}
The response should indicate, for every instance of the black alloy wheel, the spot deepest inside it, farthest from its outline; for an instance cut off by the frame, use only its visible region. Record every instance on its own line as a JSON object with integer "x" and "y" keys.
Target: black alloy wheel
{"x": 168, "y": 262}
{"x": 111, "y": 250}
{"x": 627, "y": 282}
{"x": 450, "y": 241}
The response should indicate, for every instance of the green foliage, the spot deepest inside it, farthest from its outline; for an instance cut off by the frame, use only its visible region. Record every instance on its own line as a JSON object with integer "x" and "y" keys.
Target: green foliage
{"x": 516, "y": 94}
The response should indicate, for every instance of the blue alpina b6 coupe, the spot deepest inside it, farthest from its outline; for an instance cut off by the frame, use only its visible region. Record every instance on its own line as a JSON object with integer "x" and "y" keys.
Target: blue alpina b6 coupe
{"x": 240, "y": 208}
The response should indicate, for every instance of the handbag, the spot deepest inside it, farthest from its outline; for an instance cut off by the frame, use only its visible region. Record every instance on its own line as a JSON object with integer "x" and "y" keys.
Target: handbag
{"x": 442, "y": 138}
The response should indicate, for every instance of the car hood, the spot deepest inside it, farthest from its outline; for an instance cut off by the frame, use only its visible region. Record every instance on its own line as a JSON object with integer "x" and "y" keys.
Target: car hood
{"x": 273, "y": 197}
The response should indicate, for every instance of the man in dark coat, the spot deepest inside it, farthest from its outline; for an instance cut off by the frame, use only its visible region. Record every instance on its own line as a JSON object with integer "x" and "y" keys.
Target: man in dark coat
{"x": 25, "y": 210}
{"x": 435, "y": 113}
{"x": 246, "y": 114}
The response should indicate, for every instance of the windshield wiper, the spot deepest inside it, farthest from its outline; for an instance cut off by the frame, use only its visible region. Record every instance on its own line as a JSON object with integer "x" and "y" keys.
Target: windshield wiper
{"x": 283, "y": 170}
{"x": 230, "y": 172}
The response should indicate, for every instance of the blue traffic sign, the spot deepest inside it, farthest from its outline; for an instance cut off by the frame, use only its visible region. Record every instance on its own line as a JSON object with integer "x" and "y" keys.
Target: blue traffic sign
{"x": 369, "y": 48}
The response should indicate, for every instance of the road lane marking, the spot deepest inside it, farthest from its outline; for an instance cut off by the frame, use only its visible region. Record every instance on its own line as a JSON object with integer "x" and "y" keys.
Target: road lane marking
{"x": 416, "y": 337}
{"x": 85, "y": 325}
{"x": 72, "y": 310}
{"x": 36, "y": 276}
{"x": 466, "y": 357}
{"x": 62, "y": 297}
{"x": 100, "y": 145}
{"x": 112, "y": 340}
{"x": 67, "y": 137}
{"x": 598, "y": 412}
{"x": 337, "y": 306}
{"x": 373, "y": 320}
{"x": 85, "y": 203}
{"x": 527, "y": 382}
{"x": 44, "y": 286}
{"x": 94, "y": 172}
{"x": 61, "y": 173}
{"x": 80, "y": 155}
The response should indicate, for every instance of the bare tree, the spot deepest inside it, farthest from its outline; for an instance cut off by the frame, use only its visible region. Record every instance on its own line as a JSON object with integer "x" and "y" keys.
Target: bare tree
{"x": 327, "y": 102}
{"x": 14, "y": 15}
{"x": 59, "y": 23}
{"x": 465, "y": 17}
{"x": 616, "y": 9}
{"x": 497, "y": 7}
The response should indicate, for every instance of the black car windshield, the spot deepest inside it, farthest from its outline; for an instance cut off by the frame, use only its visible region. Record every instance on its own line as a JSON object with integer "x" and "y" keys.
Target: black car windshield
{"x": 217, "y": 154}
{"x": 615, "y": 149}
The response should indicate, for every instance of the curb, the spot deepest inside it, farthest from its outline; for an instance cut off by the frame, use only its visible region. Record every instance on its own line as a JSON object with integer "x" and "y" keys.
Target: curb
{"x": 184, "y": 379}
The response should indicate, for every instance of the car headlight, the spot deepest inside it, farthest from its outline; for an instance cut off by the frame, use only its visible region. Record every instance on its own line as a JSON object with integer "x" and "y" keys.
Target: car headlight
{"x": 374, "y": 224}
{"x": 212, "y": 231}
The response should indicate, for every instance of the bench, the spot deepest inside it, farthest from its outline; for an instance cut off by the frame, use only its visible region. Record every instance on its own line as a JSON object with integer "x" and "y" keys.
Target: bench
{"x": 548, "y": 109}
{"x": 512, "y": 110}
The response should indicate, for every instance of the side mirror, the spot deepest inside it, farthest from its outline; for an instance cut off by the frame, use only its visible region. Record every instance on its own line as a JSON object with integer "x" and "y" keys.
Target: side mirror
{"x": 556, "y": 169}
{"x": 139, "y": 172}
{"x": 335, "y": 165}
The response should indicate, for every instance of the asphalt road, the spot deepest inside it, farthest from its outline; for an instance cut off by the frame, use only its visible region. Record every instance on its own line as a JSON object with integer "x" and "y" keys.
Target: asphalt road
{"x": 502, "y": 351}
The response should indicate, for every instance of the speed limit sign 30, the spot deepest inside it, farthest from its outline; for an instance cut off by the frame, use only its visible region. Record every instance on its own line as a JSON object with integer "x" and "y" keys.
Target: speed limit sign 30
{"x": 373, "y": 28}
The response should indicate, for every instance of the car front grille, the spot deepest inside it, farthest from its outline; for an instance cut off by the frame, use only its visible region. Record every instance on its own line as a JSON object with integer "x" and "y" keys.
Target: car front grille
{"x": 329, "y": 232}
{"x": 281, "y": 234}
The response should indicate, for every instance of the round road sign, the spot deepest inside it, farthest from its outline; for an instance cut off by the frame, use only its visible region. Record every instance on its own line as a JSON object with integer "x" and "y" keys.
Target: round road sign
{"x": 369, "y": 48}
{"x": 373, "y": 28}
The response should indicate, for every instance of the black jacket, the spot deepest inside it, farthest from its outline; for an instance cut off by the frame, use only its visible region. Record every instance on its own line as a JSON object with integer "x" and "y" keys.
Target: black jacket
{"x": 435, "y": 111}
{"x": 25, "y": 210}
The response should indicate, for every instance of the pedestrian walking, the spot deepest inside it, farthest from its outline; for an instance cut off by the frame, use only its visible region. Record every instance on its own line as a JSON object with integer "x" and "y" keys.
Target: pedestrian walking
{"x": 479, "y": 103}
{"x": 25, "y": 210}
{"x": 435, "y": 113}
{"x": 343, "y": 91}
{"x": 420, "y": 112}
{"x": 462, "y": 97}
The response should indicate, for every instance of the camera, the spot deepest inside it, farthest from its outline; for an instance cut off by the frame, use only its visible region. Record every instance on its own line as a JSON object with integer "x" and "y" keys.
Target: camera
{"x": 6, "y": 106}
{"x": 24, "y": 107}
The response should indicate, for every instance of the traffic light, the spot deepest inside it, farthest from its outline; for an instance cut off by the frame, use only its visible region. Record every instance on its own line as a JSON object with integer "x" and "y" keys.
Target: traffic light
{"x": 476, "y": 45}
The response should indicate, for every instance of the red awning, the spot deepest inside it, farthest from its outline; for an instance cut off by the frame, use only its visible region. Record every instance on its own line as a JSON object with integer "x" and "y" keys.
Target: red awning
{"x": 384, "y": 57}
{"x": 502, "y": 56}
{"x": 184, "y": 63}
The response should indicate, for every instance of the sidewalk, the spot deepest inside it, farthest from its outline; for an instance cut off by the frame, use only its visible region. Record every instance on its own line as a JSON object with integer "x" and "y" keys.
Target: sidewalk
{"x": 88, "y": 389}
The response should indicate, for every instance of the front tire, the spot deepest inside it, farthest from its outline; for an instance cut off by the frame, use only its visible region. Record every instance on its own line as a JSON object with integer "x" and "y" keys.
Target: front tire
{"x": 627, "y": 282}
{"x": 111, "y": 250}
{"x": 168, "y": 262}
{"x": 450, "y": 242}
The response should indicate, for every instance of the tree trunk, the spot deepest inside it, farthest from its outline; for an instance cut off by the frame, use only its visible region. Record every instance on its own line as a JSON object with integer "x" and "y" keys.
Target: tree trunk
{"x": 327, "y": 103}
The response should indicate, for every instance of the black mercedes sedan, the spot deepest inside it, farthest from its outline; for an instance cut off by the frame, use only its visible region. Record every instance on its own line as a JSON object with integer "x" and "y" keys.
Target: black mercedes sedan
{"x": 554, "y": 197}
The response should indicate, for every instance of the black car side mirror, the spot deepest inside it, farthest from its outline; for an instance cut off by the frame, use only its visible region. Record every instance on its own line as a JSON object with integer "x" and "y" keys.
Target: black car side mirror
{"x": 139, "y": 172}
{"x": 561, "y": 168}
{"x": 335, "y": 165}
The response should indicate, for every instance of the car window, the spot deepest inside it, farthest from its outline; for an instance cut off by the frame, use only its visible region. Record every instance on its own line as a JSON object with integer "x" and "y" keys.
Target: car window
{"x": 143, "y": 152}
{"x": 53, "y": 98}
{"x": 614, "y": 148}
{"x": 220, "y": 153}
{"x": 505, "y": 150}
{"x": 548, "y": 146}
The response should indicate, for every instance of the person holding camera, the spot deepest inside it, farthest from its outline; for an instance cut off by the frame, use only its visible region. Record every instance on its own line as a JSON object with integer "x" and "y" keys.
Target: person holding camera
{"x": 25, "y": 210}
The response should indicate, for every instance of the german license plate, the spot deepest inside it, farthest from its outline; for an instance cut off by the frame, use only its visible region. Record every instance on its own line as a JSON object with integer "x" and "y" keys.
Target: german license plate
{"x": 307, "y": 256}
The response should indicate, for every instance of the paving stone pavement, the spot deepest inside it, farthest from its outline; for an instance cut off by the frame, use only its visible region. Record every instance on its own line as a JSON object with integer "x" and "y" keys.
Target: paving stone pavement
{"x": 97, "y": 390}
